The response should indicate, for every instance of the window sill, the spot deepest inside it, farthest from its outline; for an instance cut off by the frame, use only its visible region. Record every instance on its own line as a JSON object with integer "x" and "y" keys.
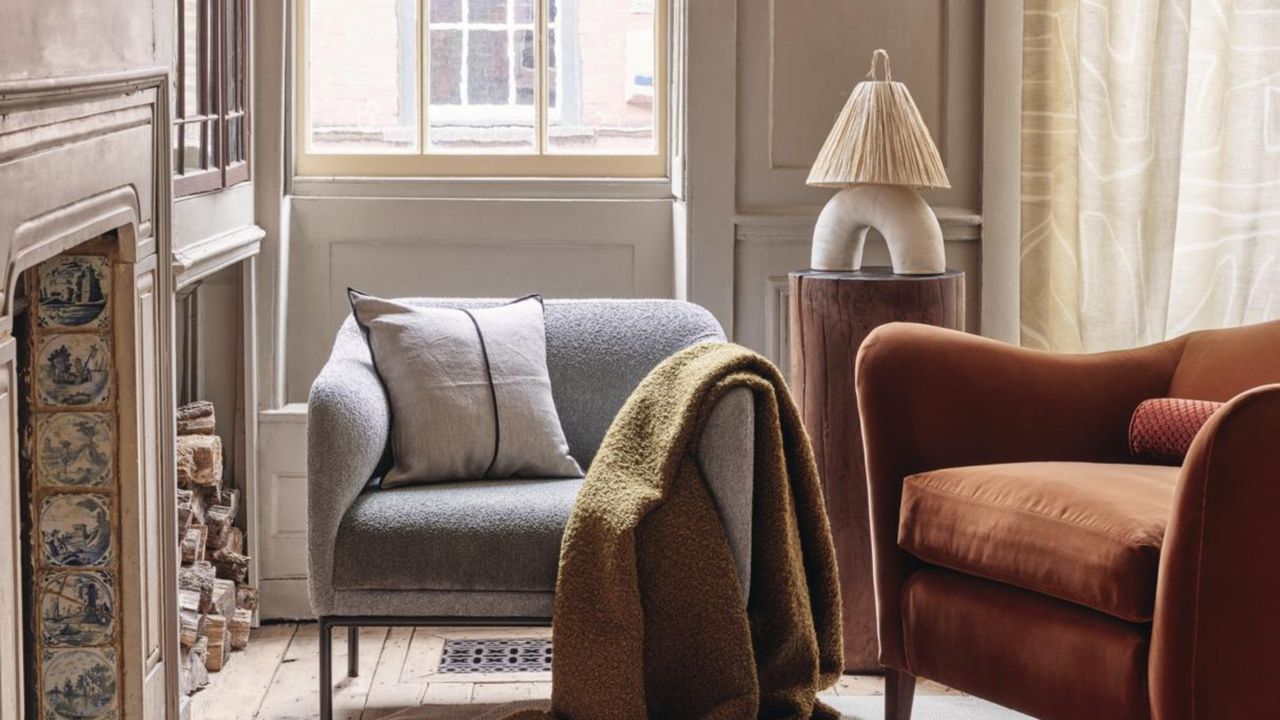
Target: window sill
{"x": 468, "y": 187}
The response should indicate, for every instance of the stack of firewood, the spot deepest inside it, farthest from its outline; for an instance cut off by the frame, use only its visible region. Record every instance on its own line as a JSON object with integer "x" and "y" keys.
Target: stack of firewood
{"x": 215, "y": 601}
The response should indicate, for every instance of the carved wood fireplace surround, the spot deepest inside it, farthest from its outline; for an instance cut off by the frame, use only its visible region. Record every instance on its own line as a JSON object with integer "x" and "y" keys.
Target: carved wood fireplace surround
{"x": 81, "y": 159}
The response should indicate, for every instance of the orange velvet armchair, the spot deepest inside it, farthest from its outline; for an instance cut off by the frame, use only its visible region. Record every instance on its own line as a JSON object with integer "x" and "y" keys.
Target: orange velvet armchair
{"x": 1022, "y": 556}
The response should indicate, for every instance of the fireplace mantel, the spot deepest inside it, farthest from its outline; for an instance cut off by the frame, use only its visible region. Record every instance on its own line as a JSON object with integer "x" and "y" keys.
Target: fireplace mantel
{"x": 81, "y": 156}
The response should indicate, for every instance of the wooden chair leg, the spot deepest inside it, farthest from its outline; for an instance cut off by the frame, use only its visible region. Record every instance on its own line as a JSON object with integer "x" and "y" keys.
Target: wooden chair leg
{"x": 326, "y": 670}
{"x": 353, "y": 651}
{"x": 899, "y": 692}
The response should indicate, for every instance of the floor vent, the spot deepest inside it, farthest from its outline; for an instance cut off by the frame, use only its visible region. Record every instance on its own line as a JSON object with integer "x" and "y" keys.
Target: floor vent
{"x": 495, "y": 655}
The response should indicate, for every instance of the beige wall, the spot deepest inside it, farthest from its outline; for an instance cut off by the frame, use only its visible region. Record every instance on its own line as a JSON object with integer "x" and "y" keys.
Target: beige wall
{"x": 61, "y": 38}
{"x": 449, "y": 247}
{"x": 797, "y": 62}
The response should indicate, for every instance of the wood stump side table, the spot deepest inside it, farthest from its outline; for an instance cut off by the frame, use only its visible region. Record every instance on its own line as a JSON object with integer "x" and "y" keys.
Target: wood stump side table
{"x": 831, "y": 314}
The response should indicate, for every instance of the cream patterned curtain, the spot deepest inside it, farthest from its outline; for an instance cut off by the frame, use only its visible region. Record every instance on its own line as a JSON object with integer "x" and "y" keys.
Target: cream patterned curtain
{"x": 1150, "y": 169}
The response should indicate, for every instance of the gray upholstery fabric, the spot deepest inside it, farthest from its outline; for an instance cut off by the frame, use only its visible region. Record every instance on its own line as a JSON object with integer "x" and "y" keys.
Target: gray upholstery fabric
{"x": 482, "y": 535}
{"x": 725, "y": 457}
{"x": 597, "y": 352}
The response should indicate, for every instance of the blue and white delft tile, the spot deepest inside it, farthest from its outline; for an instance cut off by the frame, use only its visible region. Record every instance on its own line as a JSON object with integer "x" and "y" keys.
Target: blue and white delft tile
{"x": 77, "y": 609}
{"x": 79, "y": 684}
{"x": 73, "y": 370}
{"x": 75, "y": 530}
{"x": 74, "y": 292}
{"x": 74, "y": 449}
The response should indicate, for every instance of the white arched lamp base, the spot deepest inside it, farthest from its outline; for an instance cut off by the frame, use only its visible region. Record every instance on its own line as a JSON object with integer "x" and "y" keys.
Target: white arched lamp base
{"x": 903, "y": 217}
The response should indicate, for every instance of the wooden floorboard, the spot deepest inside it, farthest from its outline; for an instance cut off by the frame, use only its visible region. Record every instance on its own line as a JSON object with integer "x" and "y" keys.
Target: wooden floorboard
{"x": 387, "y": 693}
{"x": 246, "y": 677}
{"x": 351, "y": 693}
{"x": 276, "y": 678}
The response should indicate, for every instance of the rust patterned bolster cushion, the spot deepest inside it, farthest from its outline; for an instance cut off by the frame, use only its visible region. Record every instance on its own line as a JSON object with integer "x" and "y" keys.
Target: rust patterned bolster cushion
{"x": 1162, "y": 429}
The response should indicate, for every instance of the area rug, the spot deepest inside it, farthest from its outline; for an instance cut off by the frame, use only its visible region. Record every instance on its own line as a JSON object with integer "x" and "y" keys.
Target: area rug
{"x": 860, "y": 707}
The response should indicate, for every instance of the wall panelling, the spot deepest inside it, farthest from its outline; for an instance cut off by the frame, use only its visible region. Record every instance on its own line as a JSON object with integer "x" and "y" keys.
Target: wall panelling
{"x": 463, "y": 248}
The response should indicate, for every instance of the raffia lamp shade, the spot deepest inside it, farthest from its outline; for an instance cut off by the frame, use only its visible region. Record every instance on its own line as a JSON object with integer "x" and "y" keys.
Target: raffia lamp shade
{"x": 879, "y": 154}
{"x": 879, "y": 138}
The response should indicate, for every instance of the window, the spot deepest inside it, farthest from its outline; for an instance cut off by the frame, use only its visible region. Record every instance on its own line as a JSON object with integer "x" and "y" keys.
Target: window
{"x": 211, "y": 126}
{"x": 481, "y": 87}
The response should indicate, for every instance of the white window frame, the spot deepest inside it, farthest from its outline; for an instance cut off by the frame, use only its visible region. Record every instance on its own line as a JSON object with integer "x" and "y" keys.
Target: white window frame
{"x": 424, "y": 161}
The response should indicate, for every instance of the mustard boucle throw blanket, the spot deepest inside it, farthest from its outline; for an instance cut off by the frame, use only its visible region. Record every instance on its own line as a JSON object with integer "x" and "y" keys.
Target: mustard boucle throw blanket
{"x": 649, "y": 620}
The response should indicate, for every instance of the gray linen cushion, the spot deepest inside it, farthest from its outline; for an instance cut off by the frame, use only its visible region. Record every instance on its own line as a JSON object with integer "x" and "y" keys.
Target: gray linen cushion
{"x": 469, "y": 391}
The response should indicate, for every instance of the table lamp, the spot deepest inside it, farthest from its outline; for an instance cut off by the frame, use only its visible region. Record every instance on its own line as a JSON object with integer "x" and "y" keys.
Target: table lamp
{"x": 880, "y": 154}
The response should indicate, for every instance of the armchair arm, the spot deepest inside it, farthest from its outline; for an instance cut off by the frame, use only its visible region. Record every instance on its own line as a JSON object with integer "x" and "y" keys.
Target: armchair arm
{"x": 726, "y": 456}
{"x": 932, "y": 398}
{"x": 348, "y": 420}
{"x": 1216, "y": 635}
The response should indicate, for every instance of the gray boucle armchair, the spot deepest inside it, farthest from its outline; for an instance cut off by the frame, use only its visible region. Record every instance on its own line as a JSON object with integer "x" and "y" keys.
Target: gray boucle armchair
{"x": 487, "y": 552}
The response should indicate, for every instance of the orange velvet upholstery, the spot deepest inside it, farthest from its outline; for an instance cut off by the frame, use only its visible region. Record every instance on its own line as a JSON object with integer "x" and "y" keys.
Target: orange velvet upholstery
{"x": 1086, "y": 533}
{"x": 933, "y": 400}
{"x": 1049, "y": 659}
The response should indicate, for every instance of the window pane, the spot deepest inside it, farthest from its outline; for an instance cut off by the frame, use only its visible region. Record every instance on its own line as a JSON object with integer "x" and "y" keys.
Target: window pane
{"x": 232, "y": 40}
{"x": 446, "y": 11}
{"x": 362, "y": 75}
{"x": 192, "y": 147}
{"x": 481, "y": 101}
{"x": 488, "y": 63}
{"x": 552, "y": 74}
{"x": 603, "y": 82}
{"x": 190, "y": 58}
{"x": 175, "y": 139}
{"x": 235, "y": 139}
{"x": 208, "y": 58}
{"x": 525, "y": 68}
{"x": 210, "y": 144}
{"x": 487, "y": 11}
{"x": 523, "y": 11}
{"x": 446, "y": 67}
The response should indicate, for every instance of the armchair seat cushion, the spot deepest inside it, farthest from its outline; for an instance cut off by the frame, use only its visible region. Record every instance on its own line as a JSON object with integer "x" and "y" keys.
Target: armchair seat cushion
{"x": 474, "y": 536}
{"x": 1087, "y": 533}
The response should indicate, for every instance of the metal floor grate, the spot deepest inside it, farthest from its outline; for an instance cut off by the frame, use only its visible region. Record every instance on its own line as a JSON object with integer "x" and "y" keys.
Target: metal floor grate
{"x": 495, "y": 655}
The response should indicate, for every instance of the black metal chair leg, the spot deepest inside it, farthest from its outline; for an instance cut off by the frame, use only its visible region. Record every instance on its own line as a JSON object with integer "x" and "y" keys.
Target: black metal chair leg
{"x": 326, "y": 670}
{"x": 353, "y": 651}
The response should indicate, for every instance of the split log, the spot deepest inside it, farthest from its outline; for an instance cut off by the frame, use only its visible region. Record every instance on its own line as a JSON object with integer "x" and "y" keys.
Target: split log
{"x": 218, "y": 519}
{"x": 190, "y": 621}
{"x": 191, "y": 508}
{"x": 224, "y": 598}
{"x": 194, "y": 665}
{"x": 199, "y": 577}
{"x": 235, "y": 540}
{"x": 196, "y": 410}
{"x": 197, "y": 426}
{"x": 247, "y": 598}
{"x": 230, "y": 497}
{"x": 230, "y": 565}
{"x": 199, "y": 461}
{"x": 219, "y": 643}
{"x": 193, "y": 542}
{"x": 240, "y": 624}
{"x": 192, "y": 626}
